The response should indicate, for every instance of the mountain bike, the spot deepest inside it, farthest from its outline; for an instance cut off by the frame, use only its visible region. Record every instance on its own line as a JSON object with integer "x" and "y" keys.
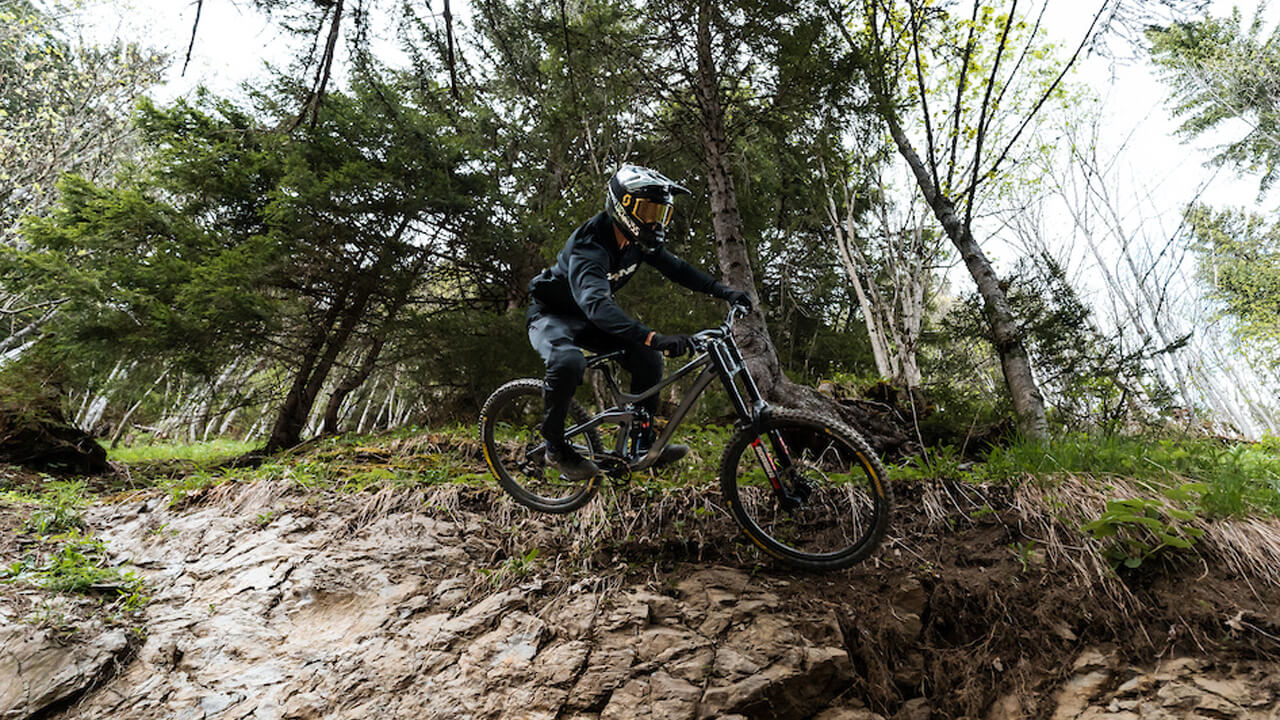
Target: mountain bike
{"x": 805, "y": 489}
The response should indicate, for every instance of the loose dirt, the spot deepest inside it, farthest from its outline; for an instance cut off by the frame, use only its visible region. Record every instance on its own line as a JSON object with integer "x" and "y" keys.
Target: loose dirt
{"x": 278, "y": 601}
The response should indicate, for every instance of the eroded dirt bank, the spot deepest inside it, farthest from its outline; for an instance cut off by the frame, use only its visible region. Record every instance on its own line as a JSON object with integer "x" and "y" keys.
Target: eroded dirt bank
{"x": 273, "y": 602}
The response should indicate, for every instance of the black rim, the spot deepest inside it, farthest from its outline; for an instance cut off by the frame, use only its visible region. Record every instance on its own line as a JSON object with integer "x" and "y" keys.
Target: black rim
{"x": 833, "y": 507}
{"x": 517, "y": 449}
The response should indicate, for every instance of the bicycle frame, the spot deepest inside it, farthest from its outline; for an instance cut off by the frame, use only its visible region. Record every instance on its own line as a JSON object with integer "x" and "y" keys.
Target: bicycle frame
{"x": 719, "y": 357}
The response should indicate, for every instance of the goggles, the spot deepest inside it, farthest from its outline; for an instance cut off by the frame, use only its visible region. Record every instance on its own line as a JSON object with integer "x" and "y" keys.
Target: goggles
{"x": 648, "y": 212}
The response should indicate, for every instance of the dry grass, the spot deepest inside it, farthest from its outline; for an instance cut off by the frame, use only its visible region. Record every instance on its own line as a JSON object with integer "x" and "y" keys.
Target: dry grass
{"x": 623, "y": 523}
{"x": 1249, "y": 547}
{"x": 1052, "y": 515}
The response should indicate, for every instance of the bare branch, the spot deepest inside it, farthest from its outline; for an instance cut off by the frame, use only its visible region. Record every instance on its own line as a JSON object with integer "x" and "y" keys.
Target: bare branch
{"x": 1088, "y": 35}
{"x": 453, "y": 69}
{"x": 192, "y": 44}
{"x": 924, "y": 95}
{"x": 956, "y": 111}
{"x": 35, "y": 306}
{"x": 316, "y": 96}
{"x": 983, "y": 121}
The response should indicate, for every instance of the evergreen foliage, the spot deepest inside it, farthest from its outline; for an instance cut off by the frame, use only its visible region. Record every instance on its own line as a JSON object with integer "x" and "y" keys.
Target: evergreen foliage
{"x": 238, "y": 239}
{"x": 353, "y": 252}
{"x": 1225, "y": 73}
{"x": 1238, "y": 256}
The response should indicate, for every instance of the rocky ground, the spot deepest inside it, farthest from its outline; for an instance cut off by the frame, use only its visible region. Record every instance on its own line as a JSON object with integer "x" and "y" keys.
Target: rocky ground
{"x": 267, "y": 601}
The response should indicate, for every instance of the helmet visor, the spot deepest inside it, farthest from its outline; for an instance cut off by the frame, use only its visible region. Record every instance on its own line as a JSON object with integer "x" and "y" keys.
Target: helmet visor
{"x": 648, "y": 212}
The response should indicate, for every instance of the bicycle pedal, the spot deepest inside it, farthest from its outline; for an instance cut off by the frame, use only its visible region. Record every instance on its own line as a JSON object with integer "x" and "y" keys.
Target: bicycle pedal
{"x": 618, "y": 469}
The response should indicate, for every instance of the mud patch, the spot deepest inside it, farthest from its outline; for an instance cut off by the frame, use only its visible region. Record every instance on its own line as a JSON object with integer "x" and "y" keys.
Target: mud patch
{"x": 451, "y": 601}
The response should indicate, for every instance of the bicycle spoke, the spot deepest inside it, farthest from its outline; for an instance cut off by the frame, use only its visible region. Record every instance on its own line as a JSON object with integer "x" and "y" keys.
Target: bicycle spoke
{"x": 516, "y": 450}
{"x": 819, "y": 503}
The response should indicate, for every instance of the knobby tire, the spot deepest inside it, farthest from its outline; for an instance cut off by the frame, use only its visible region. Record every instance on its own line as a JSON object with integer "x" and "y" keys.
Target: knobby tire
{"x": 509, "y": 425}
{"x": 847, "y": 513}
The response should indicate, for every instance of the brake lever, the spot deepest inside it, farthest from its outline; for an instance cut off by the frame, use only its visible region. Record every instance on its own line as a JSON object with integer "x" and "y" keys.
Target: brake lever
{"x": 735, "y": 312}
{"x": 699, "y": 341}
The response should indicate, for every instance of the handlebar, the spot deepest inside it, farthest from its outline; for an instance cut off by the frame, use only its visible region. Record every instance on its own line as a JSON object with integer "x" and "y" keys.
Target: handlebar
{"x": 701, "y": 337}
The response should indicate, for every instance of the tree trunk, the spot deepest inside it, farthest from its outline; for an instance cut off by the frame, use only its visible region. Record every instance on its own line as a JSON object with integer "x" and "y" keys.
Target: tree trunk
{"x": 292, "y": 419}
{"x": 369, "y": 397}
{"x": 1028, "y": 403}
{"x": 886, "y": 435}
{"x": 843, "y": 230}
{"x": 308, "y": 383}
{"x": 735, "y": 261}
{"x": 348, "y": 383}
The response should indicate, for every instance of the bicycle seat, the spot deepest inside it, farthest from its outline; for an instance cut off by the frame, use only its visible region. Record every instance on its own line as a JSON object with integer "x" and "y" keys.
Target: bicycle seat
{"x": 595, "y": 360}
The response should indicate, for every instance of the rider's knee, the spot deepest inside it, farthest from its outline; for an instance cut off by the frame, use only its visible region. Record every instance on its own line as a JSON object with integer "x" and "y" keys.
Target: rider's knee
{"x": 566, "y": 368}
{"x": 646, "y": 364}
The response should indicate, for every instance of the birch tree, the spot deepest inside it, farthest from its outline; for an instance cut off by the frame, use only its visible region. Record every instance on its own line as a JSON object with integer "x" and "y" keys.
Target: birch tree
{"x": 970, "y": 86}
{"x": 888, "y": 258}
{"x": 1120, "y": 239}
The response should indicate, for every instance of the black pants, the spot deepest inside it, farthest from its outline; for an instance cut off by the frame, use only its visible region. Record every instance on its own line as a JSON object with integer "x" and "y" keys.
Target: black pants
{"x": 560, "y": 339}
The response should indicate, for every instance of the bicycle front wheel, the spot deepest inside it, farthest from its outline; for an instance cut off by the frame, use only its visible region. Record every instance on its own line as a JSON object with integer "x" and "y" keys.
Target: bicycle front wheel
{"x": 510, "y": 424}
{"x": 834, "y": 505}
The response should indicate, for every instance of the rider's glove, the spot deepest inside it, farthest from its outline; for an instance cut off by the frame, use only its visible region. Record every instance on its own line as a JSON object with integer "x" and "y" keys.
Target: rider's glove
{"x": 739, "y": 298}
{"x": 731, "y": 296}
{"x": 671, "y": 345}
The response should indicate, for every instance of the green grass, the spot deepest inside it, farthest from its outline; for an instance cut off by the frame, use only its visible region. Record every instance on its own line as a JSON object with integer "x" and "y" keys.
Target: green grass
{"x": 1237, "y": 478}
{"x": 55, "y": 510}
{"x": 72, "y": 562}
{"x": 201, "y": 453}
{"x": 63, "y": 557}
{"x": 58, "y": 508}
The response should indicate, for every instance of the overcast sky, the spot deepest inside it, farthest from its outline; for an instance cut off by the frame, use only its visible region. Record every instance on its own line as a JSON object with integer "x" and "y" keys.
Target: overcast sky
{"x": 235, "y": 42}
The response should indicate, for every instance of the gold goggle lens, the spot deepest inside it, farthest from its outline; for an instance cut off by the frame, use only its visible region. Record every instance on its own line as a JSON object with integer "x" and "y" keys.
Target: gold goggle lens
{"x": 648, "y": 211}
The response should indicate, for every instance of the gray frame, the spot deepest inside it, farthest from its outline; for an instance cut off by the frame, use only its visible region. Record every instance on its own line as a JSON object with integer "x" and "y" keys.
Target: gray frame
{"x": 720, "y": 357}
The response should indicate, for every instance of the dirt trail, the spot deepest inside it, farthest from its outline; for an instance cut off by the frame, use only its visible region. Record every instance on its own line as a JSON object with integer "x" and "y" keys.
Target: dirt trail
{"x": 273, "y": 602}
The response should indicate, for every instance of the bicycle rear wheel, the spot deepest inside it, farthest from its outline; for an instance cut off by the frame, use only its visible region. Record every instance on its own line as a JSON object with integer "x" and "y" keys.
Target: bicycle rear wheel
{"x": 837, "y": 506}
{"x": 510, "y": 425}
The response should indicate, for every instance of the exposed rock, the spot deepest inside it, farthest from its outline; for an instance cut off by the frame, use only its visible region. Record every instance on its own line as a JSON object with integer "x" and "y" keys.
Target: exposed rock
{"x": 1177, "y": 688}
{"x": 38, "y": 669}
{"x": 848, "y": 714}
{"x": 910, "y": 598}
{"x": 914, "y": 709}
{"x": 1078, "y": 693}
{"x": 607, "y": 670}
{"x": 1236, "y": 691}
{"x": 314, "y": 615}
{"x": 654, "y": 697}
{"x": 1008, "y": 707}
{"x": 801, "y": 682}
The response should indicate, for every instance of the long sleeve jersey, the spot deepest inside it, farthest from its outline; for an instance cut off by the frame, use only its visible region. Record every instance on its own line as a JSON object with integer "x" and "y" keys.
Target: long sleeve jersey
{"x": 591, "y": 268}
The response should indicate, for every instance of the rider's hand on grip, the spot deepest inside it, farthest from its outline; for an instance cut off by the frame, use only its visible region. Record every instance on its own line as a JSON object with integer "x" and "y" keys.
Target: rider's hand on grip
{"x": 671, "y": 345}
{"x": 739, "y": 298}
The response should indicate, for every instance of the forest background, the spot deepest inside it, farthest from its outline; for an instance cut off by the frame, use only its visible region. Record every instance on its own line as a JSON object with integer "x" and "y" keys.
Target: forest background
{"x": 344, "y": 242}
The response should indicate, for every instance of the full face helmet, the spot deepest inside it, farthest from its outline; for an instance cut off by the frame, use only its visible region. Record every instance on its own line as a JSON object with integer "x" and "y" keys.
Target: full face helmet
{"x": 640, "y": 202}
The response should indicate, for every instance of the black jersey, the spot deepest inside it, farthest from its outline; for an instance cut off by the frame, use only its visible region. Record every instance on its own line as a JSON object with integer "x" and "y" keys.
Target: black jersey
{"x": 591, "y": 268}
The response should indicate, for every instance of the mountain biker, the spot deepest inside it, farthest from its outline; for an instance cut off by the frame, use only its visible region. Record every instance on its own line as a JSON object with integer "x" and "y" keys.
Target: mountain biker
{"x": 572, "y": 307}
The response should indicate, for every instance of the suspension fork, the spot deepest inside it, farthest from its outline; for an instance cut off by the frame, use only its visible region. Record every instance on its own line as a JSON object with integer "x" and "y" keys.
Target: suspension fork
{"x": 774, "y": 459}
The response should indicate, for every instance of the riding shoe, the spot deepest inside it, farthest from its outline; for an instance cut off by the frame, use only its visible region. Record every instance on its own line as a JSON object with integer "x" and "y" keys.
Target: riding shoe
{"x": 670, "y": 453}
{"x": 571, "y": 464}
